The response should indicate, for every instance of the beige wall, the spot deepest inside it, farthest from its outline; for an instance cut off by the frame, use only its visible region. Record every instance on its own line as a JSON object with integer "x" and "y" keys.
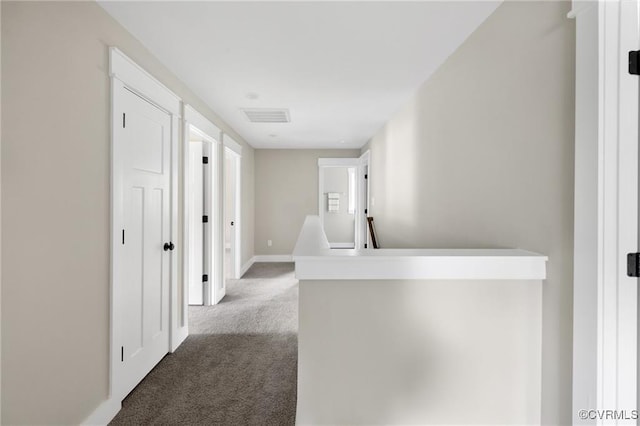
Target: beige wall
{"x": 55, "y": 175}
{"x": 482, "y": 156}
{"x": 286, "y": 192}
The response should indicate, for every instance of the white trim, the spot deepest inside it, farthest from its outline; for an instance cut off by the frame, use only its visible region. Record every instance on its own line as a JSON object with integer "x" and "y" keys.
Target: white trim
{"x": 267, "y": 258}
{"x": 175, "y": 321}
{"x": 201, "y": 123}
{"x": 365, "y": 158}
{"x": 104, "y": 413}
{"x": 210, "y": 208}
{"x": 362, "y": 227}
{"x": 579, "y": 7}
{"x": 186, "y": 228}
{"x": 218, "y": 283}
{"x": 342, "y": 245}
{"x": 606, "y": 210}
{"x": 338, "y": 162}
{"x": 617, "y": 319}
{"x": 180, "y": 335}
{"x": 230, "y": 143}
{"x": 392, "y": 264}
{"x": 211, "y": 134}
{"x": 136, "y": 78}
{"x": 248, "y": 264}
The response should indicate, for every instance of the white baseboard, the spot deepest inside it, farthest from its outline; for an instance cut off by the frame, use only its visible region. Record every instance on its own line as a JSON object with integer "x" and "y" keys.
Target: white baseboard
{"x": 272, "y": 258}
{"x": 246, "y": 266}
{"x": 342, "y": 245}
{"x": 104, "y": 413}
{"x": 183, "y": 333}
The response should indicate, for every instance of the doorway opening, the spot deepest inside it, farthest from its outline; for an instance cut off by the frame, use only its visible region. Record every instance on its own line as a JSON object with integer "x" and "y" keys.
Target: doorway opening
{"x": 201, "y": 233}
{"x": 202, "y": 212}
{"x": 343, "y": 201}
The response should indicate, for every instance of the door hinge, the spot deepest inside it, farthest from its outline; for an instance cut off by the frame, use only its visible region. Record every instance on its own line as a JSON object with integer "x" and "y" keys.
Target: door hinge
{"x": 121, "y": 353}
{"x": 365, "y": 211}
{"x": 124, "y": 120}
{"x": 205, "y": 219}
{"x": 365, "y": 245}
{"x": 366, "y": 176}
{"x": 123, "y": 237}
{"x": 205, "y": 160}
{"x": 633, "y": 264}
{"x": 205, "y": 278}
{"x": 634, "y": 59}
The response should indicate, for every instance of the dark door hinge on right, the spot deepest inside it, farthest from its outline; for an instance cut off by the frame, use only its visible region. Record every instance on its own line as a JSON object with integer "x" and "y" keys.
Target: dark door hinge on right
{"x": 633, "y": 264}
{"x": 634, "y": 62}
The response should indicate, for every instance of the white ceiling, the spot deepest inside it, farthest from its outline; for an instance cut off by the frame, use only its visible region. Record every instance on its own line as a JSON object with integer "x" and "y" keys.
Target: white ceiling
{"x": 341, "y": 68}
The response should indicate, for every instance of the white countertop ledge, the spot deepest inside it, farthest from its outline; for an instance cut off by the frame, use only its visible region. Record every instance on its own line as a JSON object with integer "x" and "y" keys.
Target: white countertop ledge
{"x": 314, "y": 260}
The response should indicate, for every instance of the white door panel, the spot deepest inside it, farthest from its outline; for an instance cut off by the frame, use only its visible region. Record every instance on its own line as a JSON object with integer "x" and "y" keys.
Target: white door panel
{"x": 231, "y": 193}
{"x": 196, "y": 227}
{"x": 147, "y": 214}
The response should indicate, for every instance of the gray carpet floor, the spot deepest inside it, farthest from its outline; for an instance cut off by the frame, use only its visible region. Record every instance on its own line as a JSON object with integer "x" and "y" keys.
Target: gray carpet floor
{"x": 237, "y": 367}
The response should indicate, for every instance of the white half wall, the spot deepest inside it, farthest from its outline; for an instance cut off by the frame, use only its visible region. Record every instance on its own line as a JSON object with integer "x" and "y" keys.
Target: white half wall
{"x": 419, "y": 352}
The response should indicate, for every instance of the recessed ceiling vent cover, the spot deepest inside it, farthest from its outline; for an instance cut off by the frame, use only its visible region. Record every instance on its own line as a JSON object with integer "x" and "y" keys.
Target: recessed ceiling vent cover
{"x": 267, "y": 115}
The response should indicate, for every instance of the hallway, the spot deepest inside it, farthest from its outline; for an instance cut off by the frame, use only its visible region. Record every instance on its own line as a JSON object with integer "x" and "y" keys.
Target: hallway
{"x": 238, "y": 365}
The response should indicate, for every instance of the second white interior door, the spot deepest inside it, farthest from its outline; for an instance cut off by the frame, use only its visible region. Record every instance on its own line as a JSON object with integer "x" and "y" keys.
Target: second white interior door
{"x": 229, "y": 214}
{"x": 196, "y": 224}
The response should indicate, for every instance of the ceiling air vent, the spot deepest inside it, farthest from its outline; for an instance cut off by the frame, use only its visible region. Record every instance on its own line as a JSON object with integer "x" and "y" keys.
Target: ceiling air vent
{"x": 267, "y": 115}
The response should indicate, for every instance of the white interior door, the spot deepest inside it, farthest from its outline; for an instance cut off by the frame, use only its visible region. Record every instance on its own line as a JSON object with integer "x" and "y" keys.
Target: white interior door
{"x": 231, "y": 220}
{"x": 144, "y": 283}
{"x": 196, "y": 224}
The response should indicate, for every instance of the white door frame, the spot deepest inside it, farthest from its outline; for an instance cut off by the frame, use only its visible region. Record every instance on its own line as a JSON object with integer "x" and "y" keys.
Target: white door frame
{"x": 357, "y": 163}
{"x": 211, "y": 134}
{"x": 234, "y": 149}
{"x": 362, "y": 235}
{"x": 194, "y": 238}
{"x": 127, "y": 75}
{"x": 606, "y": 210}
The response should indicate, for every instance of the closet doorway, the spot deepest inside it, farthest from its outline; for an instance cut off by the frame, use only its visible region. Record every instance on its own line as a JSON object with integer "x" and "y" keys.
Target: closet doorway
{"x": 203, "y": 250}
